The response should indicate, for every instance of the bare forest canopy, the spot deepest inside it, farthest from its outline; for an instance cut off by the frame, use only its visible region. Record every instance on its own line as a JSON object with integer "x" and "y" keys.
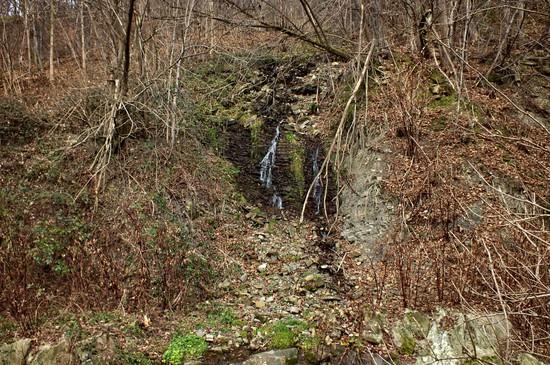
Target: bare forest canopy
{"x": 40, "y": 34}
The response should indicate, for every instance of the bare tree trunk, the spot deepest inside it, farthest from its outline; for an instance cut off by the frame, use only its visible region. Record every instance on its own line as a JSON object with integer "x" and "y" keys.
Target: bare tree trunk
{"x": 52, "y": 25}
{"x": 27, "y": 34}
{"x": 69, "y": 43}
{"x": 211, "y": 25}
{"x": 171, "y": 58}
{"x": 127, "y": 43}
{"x": 504, "y": 39}
{"x": 377, "y": 25}
{"x": 142, "y": 55}
{"x": 37, "y": 51}
{"x": 82, "y": 37}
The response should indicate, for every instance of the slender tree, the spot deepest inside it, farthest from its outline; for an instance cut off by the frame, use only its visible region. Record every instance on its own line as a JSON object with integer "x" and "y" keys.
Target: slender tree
{"x": 82, "y": 37}
{"x": 127, "y": 44}
{"x": 52, "y": 26}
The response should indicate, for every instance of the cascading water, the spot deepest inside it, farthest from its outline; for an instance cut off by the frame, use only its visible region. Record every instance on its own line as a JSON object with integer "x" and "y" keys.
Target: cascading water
{"x": 266, "y": 168}
{"x": 277, "y": 201}
{"x": 317, "y": 184}
{"x": 267, "y": 163}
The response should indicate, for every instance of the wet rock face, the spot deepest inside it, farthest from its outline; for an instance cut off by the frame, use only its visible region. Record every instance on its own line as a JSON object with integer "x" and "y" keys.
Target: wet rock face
{"x": 278, "y": 131}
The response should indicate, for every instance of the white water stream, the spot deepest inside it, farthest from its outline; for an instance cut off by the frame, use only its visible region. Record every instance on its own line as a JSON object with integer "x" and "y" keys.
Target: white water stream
{"x": 266, "y": 168}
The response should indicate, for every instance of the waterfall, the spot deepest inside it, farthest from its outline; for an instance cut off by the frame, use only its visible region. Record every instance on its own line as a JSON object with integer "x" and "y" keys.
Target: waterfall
{"x": 277, "y": 201}
{"x": 317, "y": 184}
{"x": 267, "y": 163}
{"x": 266, "y": 168}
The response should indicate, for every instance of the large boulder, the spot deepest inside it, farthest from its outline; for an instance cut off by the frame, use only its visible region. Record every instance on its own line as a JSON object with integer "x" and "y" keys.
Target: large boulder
{"x": 373, "y": 326}
{"x": 101, "y": 349}
{"x": 407, "y": 332}
{"x": 278, "y": 357}
{"x": 15, "y": 353}
{"x": 60, "y": 353}
{"x": 456, "y": 338}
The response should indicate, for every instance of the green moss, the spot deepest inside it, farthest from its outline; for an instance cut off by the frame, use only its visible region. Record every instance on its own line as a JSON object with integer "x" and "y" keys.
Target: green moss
{"x": 135, "y": 358}
{"x": 133, "y": 329}
{"x": 255, "y": 125}
{"x": 230, "y": 171}
{"x": 291, "y": 137}
{"x": 445, "y": 101}
{"x": 53, "y": 240}
{"x": 310, "y": 346}
{"x": 6, "y": 326}
{"x": 439, "y": 124}
{"x": 408, "y": 345}
{"x": 104, "y": 317}
{"x": 183, "y": 348}
{"x": 284, "y": 333}
{"x": 222, "y": 318}
{"x": 437, "y": 77}
{"x": 297, "y": 160}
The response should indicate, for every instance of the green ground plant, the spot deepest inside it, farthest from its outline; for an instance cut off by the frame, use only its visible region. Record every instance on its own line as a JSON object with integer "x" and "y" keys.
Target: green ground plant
{"x": 183, "y": 348}
{"x": 222, "y": 317}
{"x": 284, "y": 333}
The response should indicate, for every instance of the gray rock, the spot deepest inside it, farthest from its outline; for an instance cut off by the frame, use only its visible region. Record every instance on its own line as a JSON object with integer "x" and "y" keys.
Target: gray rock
{"x": 313, "y": 282}
{"x": 472, "y": 218}
{"x": 101, "y": 349}
{"x": 484, "y": 334}
{"x": 406, "y": 333}
{"x": 15, "y": 353}
{"x": 472, "y": 337}
{"x": 367, "y": 213}
{"x": 373, "y": 325}
{"x": 274, "y": 357}
{"x": 528, "y": 359}
{"x": 294, "y": 310}
{"x": 57, "y": 354}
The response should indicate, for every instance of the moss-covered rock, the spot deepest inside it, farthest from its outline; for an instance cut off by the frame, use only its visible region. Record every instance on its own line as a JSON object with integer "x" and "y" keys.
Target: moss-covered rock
{"x": 373, "y": 326}
{"x": 284, "y": 333}
{"x": 59, "y": 353}
{"x": 412, "y": 328}
{"x": 183, "y": 348}
{"x": 15, "y": 353}
{"x": 314, "y": 281}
